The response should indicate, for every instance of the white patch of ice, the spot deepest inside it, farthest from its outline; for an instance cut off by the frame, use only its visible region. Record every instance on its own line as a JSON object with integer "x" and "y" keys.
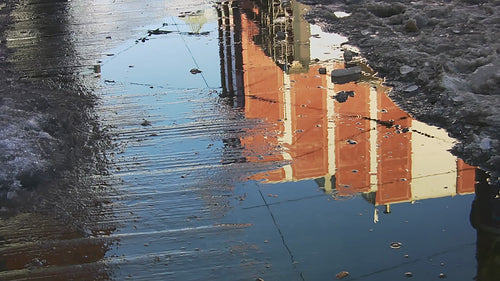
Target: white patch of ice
{"x": 340, "y": 14}
{"x": 20, "y": 151}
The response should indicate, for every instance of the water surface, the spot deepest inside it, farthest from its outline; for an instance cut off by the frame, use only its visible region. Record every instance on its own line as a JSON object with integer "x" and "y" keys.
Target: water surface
{"x": 238, "y": 158}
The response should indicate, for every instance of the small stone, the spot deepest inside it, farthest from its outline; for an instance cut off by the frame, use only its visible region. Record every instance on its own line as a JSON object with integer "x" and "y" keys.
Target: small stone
{"x": 408, "y": 274}
{"x": 405, "y": 69}
{"x": 396, "y": 245}
{"x": 346, "y": 75}
{"x": 349, "y": 55}
{"x": 341, "y": 97}
{"x": 411, "y": 25}
{"x": 146, "y": 123}
{"x": 195, "y": 71}
{"x": 411, "y": 88}
{"x": 442, "y": 275}
{"x": 322, "y": 70}
{"x": 342, "y": 274}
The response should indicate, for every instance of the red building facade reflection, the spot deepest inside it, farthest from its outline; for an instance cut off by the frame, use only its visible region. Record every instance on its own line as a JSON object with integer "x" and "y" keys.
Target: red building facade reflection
{"x": 362, "y": 143}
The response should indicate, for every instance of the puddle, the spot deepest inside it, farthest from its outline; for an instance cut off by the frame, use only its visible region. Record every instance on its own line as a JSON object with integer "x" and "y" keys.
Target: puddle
{"x": 241, "y": 156}
{"x": 255, "y": 158}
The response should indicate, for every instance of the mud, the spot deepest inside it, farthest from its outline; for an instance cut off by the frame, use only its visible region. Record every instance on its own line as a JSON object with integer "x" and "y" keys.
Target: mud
{"x": 440, "y": 57}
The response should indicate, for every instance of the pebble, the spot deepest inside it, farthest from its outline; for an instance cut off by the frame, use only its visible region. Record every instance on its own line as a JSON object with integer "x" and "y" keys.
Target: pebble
{"x": 342, "y": 274}
{"x": 411, "y": 88}
{"x": 396, "y": 245}
{"x": 405, "y": 69}
{"x": 411, "y": 25}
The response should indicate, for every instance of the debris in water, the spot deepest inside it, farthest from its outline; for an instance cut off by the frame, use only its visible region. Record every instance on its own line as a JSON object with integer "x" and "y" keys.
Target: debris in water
{"x": 408, "y": 274}
{"x": 352, "y": 142}
{"x": 203, "y": 33}
{"x": 342, "y": 274}
{"x": 342, "y": 96}
{"x": 158, "y": 32}
{"x": 442, "y": 275}
{"x": 146, "y": 122}
{"x": 195, "y": 71}
{"x": 322, "y": 70}
{"x": 396, "y": 245}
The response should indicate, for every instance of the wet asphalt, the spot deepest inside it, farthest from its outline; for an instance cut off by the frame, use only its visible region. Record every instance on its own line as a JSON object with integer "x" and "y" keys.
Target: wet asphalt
{"x": 181, "y": 197}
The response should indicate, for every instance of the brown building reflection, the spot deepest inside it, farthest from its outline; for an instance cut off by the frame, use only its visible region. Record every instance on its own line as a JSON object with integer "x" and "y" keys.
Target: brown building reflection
{"x": 350, "y": 138}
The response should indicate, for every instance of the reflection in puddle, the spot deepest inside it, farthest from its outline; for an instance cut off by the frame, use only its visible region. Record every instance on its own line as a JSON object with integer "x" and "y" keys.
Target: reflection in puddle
{"x": 348, "y": 136}
{"x": 185, "y": 213}
{"x": 332, "y": 123}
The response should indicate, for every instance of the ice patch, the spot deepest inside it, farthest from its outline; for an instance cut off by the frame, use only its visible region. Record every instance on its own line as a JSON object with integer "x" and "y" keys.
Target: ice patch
{"x": 341, "y": 14}
{"x": 20, "y": 148}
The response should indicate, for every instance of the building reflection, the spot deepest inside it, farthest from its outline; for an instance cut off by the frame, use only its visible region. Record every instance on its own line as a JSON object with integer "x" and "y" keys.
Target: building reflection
{"x": 350, "y": 138}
